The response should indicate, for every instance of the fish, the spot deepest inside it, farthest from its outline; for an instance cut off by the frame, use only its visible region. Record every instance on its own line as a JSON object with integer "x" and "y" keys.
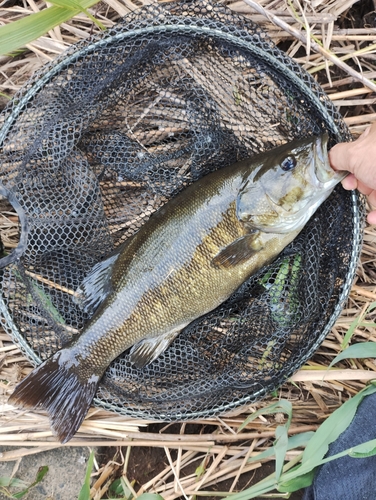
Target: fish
{"x": 186, "y": 260}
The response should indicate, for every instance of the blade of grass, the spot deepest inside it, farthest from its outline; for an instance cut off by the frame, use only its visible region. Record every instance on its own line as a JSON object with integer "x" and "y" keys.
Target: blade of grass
{"x": 364, "y": 450}
{"x": 282, "y": 406}
{"x": 150, "y": 496}
{"x": 47, "y": 304}
{"x": 72, "y": 4}
{"x": 299, "y": 440}
{"x": 280, "y": 448}
{"x": 23, "y": 31}
{"x": 40, "y": 475}
{"x": 356, "y": 322}
{"x": 313, "y": 455}
{"x": 333, "y": 427}
{"x": 361, "y": 350}
{"x": 297, "y": 483}
{"x": 66, "y": 4}
{"x": 85, "y": 490}
{"x": 281, "y": 432}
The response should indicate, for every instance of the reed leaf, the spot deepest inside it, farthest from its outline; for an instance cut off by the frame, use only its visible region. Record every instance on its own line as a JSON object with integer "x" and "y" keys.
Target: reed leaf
{"x": 23, "y": 31}
{"x": 85, "y": 490}
{"x": 361, "y": 350}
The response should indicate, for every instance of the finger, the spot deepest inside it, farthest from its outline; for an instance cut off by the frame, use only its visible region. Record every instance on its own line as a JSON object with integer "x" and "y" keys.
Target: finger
{"x": 371, "y": 217}
{"x": 365, "y": 133}
{"x": 372, "y": 199}
{"x": 364, "y": 189}
{"x": 350, "y": 182}
{"x": 339, "y": 156}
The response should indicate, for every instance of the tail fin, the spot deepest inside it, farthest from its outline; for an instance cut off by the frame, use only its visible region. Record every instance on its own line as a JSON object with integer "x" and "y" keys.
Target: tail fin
{"x": 61, "y": 387}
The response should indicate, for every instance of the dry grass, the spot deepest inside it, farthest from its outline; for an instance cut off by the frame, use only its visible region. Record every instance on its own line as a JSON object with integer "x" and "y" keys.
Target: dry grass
{"x": 327, "y": 37}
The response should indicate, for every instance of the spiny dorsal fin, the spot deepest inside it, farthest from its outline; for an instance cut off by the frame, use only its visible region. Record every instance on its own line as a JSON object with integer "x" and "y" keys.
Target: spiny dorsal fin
{"x": 239, "y": 251}
{"x": 148, "y": 350}
{"x": 97, "y": 285}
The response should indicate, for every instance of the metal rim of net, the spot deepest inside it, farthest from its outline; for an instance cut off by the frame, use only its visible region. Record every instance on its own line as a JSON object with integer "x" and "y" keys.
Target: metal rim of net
{"x": 270, "y": 55}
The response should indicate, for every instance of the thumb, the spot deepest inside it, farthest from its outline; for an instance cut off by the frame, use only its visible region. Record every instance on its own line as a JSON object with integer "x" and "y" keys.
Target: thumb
{"x": 339, "y": 157}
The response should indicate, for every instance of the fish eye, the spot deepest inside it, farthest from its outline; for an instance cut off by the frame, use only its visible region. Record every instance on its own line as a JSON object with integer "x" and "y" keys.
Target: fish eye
{"x": 288, "y": 163}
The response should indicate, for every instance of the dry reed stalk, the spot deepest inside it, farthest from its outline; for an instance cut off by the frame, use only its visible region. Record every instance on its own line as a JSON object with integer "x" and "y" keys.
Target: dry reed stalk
{"x": 355, "y": 102}
{"x": 348, "y": 93}
{"x": 363, "y": 291}
{"x": 312, "y": 44}
{"x": 317, "y": 391}
{"x": 335, "y": 375}
{"x": 354, "y": 120}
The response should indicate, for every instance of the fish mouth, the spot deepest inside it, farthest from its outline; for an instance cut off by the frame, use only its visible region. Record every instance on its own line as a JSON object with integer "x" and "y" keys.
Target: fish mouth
{"x": 323, "y": 174}
{"x": 323, "y": 180}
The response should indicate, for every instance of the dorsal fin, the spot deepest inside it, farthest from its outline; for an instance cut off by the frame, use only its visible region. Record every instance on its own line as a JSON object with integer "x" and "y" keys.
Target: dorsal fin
{"x": 97, "y": 285}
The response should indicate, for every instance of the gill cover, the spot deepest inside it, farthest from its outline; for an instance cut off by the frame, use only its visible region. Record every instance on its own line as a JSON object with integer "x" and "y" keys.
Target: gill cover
{"x": 286, "y": 188}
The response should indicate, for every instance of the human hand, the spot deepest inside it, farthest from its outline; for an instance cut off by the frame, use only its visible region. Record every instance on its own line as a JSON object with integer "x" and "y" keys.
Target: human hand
{"x": 358, "y": 158}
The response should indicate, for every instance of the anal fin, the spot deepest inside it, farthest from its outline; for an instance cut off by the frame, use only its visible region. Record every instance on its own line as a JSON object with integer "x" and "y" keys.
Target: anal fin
{"x": 147, "y": 350}
{"x": 239, "y": 251}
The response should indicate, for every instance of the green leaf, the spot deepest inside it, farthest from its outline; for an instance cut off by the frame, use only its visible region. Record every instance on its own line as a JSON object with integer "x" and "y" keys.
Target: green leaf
{"x": 18, "y": 33}
{"x": 316, "y": 449}
{"x": 150, "y": 496}
{"x": 126, "y": 490}
{"x": 67, "y": 4}
{"x": 200, "y": 470}
{"x": 5, "y": 480}
{"x": 297, "y": 483}
{"x": 355, "y": 323}
{"x": 237, "y": 96}
{"x": 85, "y": 490}
{"x": 354, "y": 452}
{"x": 367, "y": 324}
{"x": 280, "y": 448}
{"x": 282, "y": 406}
{"x": 120, "y": 487}
{"x": 40, "y": 475}
{"x": 281, "y": 433}
{"x": 361, "y": 350}
{"x": 364, "y": 450}
{"x": 73, "y": 5}
{"x": 116, "y": 488}
{"x": 284, "y": 301}
{"x": 296, "y": 441}
{"x": 13, "y": 482}
{"x": 333, "y": 426}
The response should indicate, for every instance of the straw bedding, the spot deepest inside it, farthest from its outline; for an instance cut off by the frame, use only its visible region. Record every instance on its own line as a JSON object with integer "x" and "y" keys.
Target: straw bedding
{"x": 335, "y": 41}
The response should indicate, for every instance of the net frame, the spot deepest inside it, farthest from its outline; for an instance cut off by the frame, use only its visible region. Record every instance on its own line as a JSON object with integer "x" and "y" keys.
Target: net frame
{"x": 213, "y": 21}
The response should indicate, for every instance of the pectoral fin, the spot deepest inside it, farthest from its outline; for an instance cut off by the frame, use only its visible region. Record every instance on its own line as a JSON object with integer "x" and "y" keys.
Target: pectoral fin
{"x": 238, "y": 251}
{"x": 148, "y": 350}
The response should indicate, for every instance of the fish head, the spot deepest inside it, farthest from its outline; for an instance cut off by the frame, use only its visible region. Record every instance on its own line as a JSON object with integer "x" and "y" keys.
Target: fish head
{"x": 287, "y": 186}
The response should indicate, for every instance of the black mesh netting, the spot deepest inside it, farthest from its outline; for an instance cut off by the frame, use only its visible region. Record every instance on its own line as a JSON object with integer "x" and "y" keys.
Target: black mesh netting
{"x": 112, "y": 129}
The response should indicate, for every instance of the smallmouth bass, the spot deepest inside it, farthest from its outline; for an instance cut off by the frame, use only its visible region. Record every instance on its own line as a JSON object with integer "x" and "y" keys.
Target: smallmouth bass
{"x": 185, "y": 261}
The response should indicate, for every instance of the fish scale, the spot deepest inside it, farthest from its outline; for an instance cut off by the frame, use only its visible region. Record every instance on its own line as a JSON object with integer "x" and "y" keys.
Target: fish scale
{"x": 187, "y": 259}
